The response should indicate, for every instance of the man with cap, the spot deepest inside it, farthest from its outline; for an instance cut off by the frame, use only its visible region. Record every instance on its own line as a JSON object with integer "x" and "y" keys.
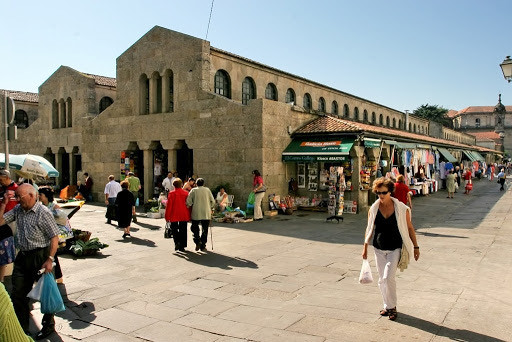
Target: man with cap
{"x": 37, "y": 238}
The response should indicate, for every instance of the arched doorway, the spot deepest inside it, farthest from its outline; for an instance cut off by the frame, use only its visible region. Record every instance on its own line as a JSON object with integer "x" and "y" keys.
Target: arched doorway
{"x": 184, "y": 161}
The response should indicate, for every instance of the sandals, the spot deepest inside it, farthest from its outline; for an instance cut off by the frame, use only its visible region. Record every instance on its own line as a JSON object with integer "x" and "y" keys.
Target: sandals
{"x": 392, "y": 314}
{"x": 384, "y": 312}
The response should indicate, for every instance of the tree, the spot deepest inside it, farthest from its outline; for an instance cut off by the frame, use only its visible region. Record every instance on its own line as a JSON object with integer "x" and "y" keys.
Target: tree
{"x": 434, "y": 113}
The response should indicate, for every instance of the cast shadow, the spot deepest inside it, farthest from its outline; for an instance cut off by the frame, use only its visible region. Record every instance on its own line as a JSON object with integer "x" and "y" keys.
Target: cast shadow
{"x": 147, "y": 226}
{"x": 461, "y": 335}
{"x": 212, "y": 259}
{"x": 441, "y": 235}
{"x": 136, "y": 241}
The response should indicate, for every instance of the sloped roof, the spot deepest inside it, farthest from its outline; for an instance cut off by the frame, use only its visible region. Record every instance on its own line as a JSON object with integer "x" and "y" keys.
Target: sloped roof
{"x": 103, "y": 80}
{"x": 331, "y": 125}
{"x": 480, "y": 109}
{"x": 21, "y": 95}
{"x": 452, "y": 113}
{"x": 490, "y": 135}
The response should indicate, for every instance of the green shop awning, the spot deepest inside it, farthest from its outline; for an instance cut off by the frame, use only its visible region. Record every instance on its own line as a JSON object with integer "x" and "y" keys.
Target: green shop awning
{"x": 404, "y": 145}
{"x": 369, "y": 142}
{"x": 469, "y": 155}
{"x": 315, "y": 150}
{"x": 447, "y": 154}
{"x": 478, "y": 156}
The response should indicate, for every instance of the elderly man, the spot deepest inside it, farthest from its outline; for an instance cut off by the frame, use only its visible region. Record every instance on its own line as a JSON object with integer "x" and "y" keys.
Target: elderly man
{"x": 201, "y": 200}
{"x": 168, "y": 181}
{"x": 37, "y": 238}
{"x": 111, "y": 190}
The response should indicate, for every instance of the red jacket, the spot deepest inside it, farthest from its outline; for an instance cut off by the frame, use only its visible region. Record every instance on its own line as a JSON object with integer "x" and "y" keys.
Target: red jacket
{"x": 176, "y": 209}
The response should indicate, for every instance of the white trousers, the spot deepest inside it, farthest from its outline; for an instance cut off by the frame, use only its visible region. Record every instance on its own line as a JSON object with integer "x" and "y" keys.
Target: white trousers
{"x": 387, "y": 262}
{"x": 258, "y": 197}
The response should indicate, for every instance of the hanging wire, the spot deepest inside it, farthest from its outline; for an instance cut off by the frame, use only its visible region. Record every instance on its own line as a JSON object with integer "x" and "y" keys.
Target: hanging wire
{"x": 209, "y": 19}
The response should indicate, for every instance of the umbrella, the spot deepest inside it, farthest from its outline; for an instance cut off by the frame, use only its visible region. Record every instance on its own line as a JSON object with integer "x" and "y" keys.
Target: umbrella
{"x": 29, "y": 165}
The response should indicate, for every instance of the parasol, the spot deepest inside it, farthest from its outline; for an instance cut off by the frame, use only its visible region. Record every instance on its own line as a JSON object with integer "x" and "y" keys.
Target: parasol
{"x": 29, "y": 165}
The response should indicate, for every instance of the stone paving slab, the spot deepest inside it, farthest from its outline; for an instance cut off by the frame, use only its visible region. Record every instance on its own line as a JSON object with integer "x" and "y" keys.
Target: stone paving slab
{"x": 294, "y": 278}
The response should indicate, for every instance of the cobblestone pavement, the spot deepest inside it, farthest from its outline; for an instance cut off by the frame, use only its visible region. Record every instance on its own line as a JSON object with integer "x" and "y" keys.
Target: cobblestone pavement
{"x": 294, "y": 278}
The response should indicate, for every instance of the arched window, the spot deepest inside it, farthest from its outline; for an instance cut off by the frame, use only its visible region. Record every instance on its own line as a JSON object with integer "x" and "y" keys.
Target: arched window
{"x": 356, "y": 114}
{"x": 55, "y": 114}
{"x": 222, "y": 84}
{"x": 400, "y": 123}
{"x": 414, "y": 128}
{"x": 374, "y": 118}
{"x": 381, "y": 120}
{"x": 334, "y": 108}
{"x": 143, "y": 94}
{"x": 321, "y": 105}
{"x": 290, "y": 96}
{"x": 159, "y": 93}
{"x": 69, "y": 110}
{"x": 365, "y": 115}
{"x": 387, "y": 121}
{"x": 248, "y": 90}
{"x": 346, "y": 112}
{"x": 394, "y": 123}
{"x": 168, "y": 91}
{"x": 62, "y": 113}
{"x": 105, "y": 102}
{"x": 306, "y": 102}
{"x": 21, "y": 119}
{"x": 271, "y": 92}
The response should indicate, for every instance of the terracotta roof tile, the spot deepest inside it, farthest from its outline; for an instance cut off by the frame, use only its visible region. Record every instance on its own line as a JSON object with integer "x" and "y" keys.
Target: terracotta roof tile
{"x": 480, "y": 109}
{"x": 21, "y": 95}
{"x": 103, "y": 80}
{"x": 328, "y": 124}
{"x": 485, "y": 135}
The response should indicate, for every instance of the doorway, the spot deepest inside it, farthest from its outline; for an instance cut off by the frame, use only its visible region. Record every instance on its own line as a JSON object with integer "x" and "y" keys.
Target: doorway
{"x": 185, "y": 162}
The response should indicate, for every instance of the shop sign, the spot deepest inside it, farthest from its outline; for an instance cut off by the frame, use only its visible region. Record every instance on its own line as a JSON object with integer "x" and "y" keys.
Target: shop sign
{"x": 312, "y": 158}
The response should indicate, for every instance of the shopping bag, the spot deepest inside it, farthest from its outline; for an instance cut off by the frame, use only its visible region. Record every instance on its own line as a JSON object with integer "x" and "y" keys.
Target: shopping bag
{"x": 469, "y": 186}
{"x": 51, "y": 300}
{"x": 250, "y": 199}
{"x": 35, "y": 293}
{"x": 365, "y": 277}
{"x": 168, "y": 231}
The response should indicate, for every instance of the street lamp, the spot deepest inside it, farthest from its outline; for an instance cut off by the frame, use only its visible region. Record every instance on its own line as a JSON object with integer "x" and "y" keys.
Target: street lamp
{"x": 506, "y": 67}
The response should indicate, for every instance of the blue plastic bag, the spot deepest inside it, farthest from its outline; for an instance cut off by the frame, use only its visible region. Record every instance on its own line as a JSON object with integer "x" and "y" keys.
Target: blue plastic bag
{"x": 51, "y": 300}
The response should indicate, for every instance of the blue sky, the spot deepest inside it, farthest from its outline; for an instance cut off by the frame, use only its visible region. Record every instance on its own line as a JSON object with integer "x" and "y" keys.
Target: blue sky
{"x": 398, "y": 53}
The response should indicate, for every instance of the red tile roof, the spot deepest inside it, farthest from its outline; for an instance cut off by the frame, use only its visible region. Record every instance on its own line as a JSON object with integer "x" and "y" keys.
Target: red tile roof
{"x": 328, "y": 124}
{"x": 21, "y": 95}
{"x": 480, "y": 109}
{"x": 485, "y": 135}
{"x": 103, "y": 80}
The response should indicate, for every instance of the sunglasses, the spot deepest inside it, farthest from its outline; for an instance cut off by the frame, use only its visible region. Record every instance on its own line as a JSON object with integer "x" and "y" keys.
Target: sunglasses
{"x": 381, "y": 192}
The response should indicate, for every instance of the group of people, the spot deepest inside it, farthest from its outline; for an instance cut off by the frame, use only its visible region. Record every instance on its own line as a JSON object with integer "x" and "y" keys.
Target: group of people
{"x": 36, "y": 239}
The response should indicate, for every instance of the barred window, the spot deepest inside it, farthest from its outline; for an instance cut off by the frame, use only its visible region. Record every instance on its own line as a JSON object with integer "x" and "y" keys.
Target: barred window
{"x": 248, "y": 90}
{"x": 271, "y": 92}
{"x": 222, "y": 84}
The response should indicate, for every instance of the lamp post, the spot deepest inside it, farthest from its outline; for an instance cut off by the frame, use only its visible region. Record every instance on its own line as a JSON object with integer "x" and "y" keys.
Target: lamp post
{"x": 506, "y": 68}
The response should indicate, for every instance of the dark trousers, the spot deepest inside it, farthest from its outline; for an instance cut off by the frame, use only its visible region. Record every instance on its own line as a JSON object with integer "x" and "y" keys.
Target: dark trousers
{"x": 24, "y": 275}
{"x": 502, "y": 183}
{"x": 204, "y": 234}
{"x": 179, "y": 234}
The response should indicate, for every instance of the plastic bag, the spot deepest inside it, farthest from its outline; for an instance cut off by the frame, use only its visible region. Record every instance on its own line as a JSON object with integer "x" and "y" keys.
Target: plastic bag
{"x": 35, "y": 293}
{"x": 365, "y": 277}
{"x": 51, "y": 300}
{"x": 250, "y": 199}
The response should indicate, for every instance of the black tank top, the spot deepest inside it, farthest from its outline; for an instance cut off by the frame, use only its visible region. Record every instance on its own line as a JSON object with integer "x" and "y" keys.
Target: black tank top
{"x": 386, "y": 236}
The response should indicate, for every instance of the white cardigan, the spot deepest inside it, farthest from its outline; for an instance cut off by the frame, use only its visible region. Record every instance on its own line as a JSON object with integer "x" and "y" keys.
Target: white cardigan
{"x": 401, "y": 219}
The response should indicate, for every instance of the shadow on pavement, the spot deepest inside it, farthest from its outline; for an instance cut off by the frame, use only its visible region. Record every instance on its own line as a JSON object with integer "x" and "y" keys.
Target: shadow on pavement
{"x": 441, "y": 235}
{"x": 136, "y": 241}
{"x": 148, "y": 226}
{"x": 212, "y": 259}
{"x": 461, "y": 335}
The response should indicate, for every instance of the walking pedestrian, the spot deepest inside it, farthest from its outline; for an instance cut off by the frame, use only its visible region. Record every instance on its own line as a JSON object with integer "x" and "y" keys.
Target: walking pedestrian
{"x": 177, "y": 213}
{"x": 88, "y": 187}
{"x": 450, "y": 183}
{"x": 134, "y": 187}
{"x": 125, "y": 208}
{"x": 202, "y": 202}
{"x": 389, "y": 230}
{"x": 37, "y": 238}
{"x": 112, "y": 188}
{"x": 501, "y": 179}
{"x": 402, "y": 191}
{"x": 467, "y": 178}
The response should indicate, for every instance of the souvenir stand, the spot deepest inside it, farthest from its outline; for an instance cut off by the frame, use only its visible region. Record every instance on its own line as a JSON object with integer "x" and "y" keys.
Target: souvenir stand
{"x": 337, "y": 186}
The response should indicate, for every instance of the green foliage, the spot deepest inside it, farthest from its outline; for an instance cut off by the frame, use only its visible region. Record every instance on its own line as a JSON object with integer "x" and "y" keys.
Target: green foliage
{"x": 222, "y": 185}
{"x": 434, "y": 113}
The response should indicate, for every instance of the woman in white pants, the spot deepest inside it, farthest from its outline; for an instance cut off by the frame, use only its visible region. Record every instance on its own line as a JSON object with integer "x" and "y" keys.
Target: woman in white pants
{"x": 389, "y": 230}
{"x": 259, "y": 192}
